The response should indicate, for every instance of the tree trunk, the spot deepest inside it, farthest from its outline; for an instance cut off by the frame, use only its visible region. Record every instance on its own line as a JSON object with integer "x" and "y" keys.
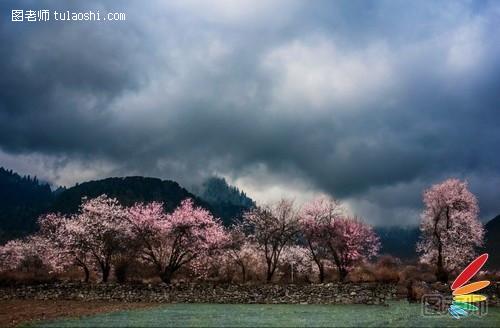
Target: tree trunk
{"x": 269, "y": 275}
{"x": 166, "y": 276}
{"x": 87, "y": 273}
{"x": 243, "y": 273}
{"x": 321, "y": 269}
{"x": 340, "y": 267}
{"x": 410, "y": 293}
{"x": 342, "y": 274}
{"x": 105, "y": 273}
{"x": 85, "y": 269}
{"x": 441, "y": 274}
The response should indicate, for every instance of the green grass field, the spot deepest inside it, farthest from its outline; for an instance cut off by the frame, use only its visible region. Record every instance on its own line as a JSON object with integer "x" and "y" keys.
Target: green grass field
{"x": 220, "y": 315}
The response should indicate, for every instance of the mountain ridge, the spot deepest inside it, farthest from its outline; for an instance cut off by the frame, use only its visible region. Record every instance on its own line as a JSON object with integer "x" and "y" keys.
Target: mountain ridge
{"x": 24, "y": 199}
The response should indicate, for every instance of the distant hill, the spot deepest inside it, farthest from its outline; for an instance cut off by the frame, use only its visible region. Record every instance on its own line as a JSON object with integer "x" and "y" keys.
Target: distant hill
{"x": 399, "y": 242}
{"x": 22, "y": 200}
{"x": 492, "y": 244}
{"x": 128, "y": 191}
{"x": 228, "y": 201}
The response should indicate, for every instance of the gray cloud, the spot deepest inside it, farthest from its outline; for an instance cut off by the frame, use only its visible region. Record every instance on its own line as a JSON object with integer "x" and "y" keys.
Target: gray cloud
{"x": 367, "y": 101}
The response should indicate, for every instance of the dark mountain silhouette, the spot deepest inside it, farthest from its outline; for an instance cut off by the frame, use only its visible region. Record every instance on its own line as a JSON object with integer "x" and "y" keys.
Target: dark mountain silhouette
{"x": 128, "y": 191}
{"x": 399, "y": 242}
{"x": 492, "y": 244}
{"x": 131, "y": 190}
{"x": 22, "y": 200}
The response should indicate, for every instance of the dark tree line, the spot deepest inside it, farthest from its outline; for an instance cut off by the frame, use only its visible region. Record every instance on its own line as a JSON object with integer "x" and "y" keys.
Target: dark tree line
{"x": 22, "y": 200}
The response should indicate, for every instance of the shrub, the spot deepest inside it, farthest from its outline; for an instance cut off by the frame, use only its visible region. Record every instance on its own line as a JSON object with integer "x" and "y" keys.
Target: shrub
{"x": 387, "y": 269}
{"x": 386, "y": 274}
{"x": 361, "y": 273}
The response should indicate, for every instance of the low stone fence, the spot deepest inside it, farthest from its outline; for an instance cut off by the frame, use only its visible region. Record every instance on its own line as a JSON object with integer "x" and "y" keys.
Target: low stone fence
{"x": 346, "y": 293}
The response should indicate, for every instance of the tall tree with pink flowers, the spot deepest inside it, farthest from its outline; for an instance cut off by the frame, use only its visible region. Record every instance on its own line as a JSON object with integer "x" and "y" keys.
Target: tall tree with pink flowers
{"x": 331, "y": 235}
{"x": 272, "y": 228}
{"x": 315, "y": 216}
{"x": 350, "y": 241}
{"x": 172, "y": 241}
{"x": 100, "y": 230}
{"x": 450, "y": 229}
{"x": 64, "y": 237}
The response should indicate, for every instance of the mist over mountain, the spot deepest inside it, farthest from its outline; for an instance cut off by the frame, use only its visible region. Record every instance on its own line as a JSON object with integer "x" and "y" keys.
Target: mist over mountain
{"x": 216, "y": 190}
{"x": 228, "y": 201}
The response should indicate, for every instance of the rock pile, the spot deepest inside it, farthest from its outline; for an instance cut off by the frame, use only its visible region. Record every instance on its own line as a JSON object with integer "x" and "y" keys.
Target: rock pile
{"x": 342, "y": 293}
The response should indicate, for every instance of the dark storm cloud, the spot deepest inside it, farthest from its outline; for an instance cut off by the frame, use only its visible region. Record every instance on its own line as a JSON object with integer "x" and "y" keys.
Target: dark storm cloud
{"x": 368, "y": 101}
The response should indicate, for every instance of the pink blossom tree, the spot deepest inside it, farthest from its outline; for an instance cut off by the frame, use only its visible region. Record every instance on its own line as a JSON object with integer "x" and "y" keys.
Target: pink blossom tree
{"x": 51, "y": 245}
{"x": 100, "y": 230}
{"x": 315, "y": 217}
{"x": 350, "y": 241}
{"x": 235, "y": 247}
{"x": 14, "y": 252}
{"x": 272, "y": 228}
{"x": 450, "y": 229}
{"x": 297, "y": 259}
{"x": 331, "y": 235}
{"x": 62, "y": 235}
{"x": 33, "y": 249}
{"x": 243, "y": 251}
{"x": 172, "y": 241}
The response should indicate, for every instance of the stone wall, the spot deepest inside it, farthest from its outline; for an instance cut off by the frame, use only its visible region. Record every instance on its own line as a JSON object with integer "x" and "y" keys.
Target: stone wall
{"x": 362, "y": 293}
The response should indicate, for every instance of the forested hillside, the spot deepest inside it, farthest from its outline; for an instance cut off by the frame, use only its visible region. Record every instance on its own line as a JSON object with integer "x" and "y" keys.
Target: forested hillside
{"x": 128, "y": 191}
{"x": 22, "y": 200}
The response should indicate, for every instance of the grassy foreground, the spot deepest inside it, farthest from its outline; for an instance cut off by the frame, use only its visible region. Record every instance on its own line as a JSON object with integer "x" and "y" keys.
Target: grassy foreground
{"x": 199, "y": 315}
{"x": 22, "y": 312}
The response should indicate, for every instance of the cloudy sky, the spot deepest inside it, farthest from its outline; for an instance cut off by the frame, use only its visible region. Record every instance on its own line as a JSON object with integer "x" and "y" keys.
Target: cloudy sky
{"x": 369, "y": 101}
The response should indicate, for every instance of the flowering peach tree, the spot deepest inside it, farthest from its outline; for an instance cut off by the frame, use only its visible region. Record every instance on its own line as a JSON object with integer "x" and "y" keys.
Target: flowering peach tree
{"x": 450, "y": 229}
{"x": 101, "y": 230}
{"x": 315, "y": 217}
{"x": 272, "y": 228}
{"x": 332, "y": 235}
{"x": 62, "y": 234}
{"x": 172, "y": 241}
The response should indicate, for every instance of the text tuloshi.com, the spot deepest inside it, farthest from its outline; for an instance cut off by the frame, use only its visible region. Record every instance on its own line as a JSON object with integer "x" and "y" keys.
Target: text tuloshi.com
{"x": 45, "y": 15}
{"x": 86, "y": 16}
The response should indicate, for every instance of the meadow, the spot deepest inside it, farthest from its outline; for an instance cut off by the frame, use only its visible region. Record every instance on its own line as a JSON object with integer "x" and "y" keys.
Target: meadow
{"x": 396, "y": 314}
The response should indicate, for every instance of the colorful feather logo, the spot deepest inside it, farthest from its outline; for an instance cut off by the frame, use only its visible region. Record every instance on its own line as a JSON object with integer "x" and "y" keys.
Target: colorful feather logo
{"x": 463, "y": 294}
